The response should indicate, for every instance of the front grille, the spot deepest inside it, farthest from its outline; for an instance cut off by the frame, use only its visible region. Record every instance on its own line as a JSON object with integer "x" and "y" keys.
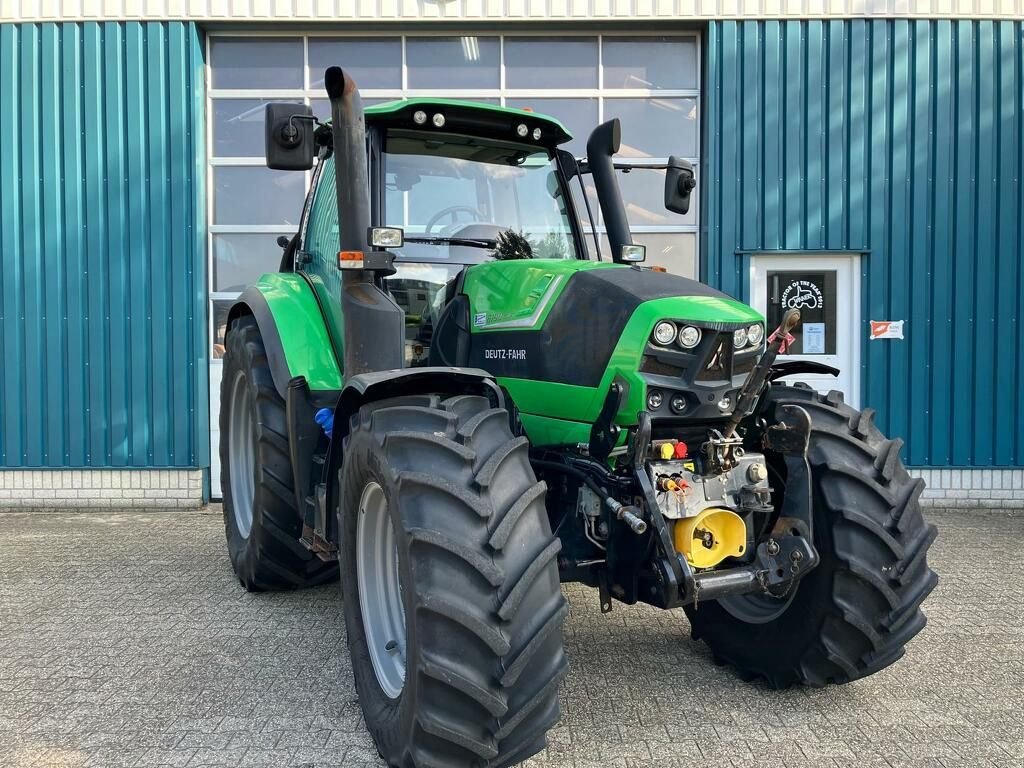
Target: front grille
{"x": 651, "y": 364}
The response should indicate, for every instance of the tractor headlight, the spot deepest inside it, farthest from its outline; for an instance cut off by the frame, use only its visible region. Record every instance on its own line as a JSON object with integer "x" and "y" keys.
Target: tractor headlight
{"x": 664, "y": 332}
{"x": 755, "y": 333}
{"x": 739, "y": 338}
{"x": 689, "y": 337}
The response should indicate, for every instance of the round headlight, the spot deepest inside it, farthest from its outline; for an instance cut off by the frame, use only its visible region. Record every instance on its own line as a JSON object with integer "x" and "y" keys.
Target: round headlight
{"x": 654, "y": 400}
{"x": 536, "y": 134}
{"x": 522, "y": 130}
{"x": 689, "y": 337}
{"x": 664, "y": 332}
{"x": 755, "y": 333}
{"x": 419, "y": 117}
{"x": 739, "y": 338}
{"x": 438, "y": 120}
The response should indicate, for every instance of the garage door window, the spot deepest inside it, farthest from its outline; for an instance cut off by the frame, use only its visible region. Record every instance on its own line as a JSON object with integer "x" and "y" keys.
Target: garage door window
{"x": 650, "y": 82}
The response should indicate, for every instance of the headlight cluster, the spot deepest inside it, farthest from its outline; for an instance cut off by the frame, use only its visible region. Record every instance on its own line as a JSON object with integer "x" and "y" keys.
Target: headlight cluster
{"x": 750, "y": 336}
{"x": 665, "y": 332}
{"x": 688, "y": 336}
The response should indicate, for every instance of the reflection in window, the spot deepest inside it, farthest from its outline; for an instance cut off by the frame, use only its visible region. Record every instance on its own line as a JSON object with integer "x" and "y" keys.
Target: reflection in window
{"x": 256, "y": 63}
{"x": 655, "y": 127}
{"x": 254, "y": 194}
{"x": 374, "y": 63}
{"x": 445, "y": 63}
{"x": 550, "y": 62}
{"x": 655, "y": 63}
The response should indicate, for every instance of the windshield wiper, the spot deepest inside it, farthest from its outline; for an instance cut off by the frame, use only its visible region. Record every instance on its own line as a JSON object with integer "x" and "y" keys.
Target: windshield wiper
{"x": 470, "y": 242}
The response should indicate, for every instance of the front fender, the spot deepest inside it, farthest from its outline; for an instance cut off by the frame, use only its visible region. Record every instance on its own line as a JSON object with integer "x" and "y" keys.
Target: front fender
{"x": 294, "y": 331}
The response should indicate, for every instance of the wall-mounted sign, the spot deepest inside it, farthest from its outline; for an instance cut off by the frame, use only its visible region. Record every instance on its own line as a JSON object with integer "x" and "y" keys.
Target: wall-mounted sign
{"x": 886, "y": 329}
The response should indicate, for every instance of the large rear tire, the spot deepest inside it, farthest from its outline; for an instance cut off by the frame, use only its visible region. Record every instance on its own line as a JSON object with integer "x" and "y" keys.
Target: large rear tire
{"x": 854, "y": 613}
{"x": 450, "y": 586}
{"x": 261, "y": 521}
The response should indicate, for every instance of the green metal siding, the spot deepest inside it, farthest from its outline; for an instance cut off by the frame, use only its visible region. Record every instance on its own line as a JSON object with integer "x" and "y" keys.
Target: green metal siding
{"x": 103, "y": 287}
{"x": 903, "y": 140}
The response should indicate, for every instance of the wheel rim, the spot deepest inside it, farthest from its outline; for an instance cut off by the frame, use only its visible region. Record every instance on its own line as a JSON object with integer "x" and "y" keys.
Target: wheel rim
{"x": 380, "y": 590}
{"x": 758, "y": 609}
{"x": 242, "y": 454}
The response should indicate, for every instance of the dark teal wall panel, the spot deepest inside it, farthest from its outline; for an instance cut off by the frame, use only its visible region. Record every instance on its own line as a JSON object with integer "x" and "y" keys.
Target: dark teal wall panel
{"x": 901, "y": 139}
{"x": 102, "y": 235}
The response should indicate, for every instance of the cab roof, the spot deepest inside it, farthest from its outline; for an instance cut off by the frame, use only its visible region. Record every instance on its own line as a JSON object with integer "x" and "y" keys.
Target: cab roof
{"x": 470, "y": 117}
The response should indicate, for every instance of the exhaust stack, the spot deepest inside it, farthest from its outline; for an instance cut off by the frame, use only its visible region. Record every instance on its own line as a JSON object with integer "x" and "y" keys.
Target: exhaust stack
{"x": 601, "y": 146}
{"x": 374, "y": 325}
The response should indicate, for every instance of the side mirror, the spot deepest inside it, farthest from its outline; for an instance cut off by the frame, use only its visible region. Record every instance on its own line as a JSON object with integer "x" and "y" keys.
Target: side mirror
{"x": 679, "y": 183}
{"x": 289, "y": 137}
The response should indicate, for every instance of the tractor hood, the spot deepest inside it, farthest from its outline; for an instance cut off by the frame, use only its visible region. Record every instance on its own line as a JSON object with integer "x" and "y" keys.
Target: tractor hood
{"x": 558, "y": 333}
{"x": 561, "y": 320}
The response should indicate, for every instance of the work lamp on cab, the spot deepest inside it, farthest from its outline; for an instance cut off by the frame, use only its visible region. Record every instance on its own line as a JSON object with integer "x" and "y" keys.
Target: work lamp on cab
{"x": 689, "y": 337}
{"x": 664, "y": 332}
{"x": 386, "y": 237}
{"x": 419, "y": 117}
{"x": 438, "y": 120}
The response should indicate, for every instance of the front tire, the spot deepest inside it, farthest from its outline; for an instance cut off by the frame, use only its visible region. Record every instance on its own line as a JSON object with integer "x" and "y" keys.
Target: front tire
{"x": 854, "y": 613}
{"x": 261, "y": 521}
{"x": 450, "y": 586}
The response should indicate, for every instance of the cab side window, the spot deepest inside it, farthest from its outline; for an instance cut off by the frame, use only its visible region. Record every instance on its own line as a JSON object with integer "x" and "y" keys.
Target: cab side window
{"x": 322, "y": 235}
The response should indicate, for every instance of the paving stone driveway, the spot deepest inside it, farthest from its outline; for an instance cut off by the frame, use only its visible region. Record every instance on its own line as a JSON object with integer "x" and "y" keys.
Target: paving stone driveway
{"x": 125, "y": 640}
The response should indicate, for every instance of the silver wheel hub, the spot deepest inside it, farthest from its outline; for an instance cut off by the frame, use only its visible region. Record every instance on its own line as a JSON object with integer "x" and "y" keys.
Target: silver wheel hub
{"x": 241, "y": 454}
{"x": 380, "y": 590}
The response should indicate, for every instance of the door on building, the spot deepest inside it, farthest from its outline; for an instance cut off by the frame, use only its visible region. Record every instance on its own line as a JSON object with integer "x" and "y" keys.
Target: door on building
{"x": 826, "y": 290}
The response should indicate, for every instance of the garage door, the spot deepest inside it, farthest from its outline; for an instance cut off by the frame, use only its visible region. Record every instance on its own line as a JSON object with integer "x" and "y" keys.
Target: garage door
{"x": 651, "y": 82}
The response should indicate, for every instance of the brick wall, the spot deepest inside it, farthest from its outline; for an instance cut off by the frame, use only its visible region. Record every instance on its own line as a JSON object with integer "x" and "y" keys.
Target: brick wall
{"x": 972, "y": 488}
{"x": 101, "y": 488}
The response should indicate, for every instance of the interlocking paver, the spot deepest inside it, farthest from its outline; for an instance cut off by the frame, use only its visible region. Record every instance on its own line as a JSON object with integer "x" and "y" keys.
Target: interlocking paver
{"x": 126, "y": 640}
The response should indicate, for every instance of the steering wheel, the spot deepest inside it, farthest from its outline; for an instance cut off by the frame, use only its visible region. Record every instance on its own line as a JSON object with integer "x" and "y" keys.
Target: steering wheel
{"x": 451, "y": 212}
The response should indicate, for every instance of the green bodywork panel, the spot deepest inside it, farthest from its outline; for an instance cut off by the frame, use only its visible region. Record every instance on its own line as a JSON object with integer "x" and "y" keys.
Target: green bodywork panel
{"x": 556, "y": 413}
{"x": 519, "y": 294}
{"x": 302, "y": 330}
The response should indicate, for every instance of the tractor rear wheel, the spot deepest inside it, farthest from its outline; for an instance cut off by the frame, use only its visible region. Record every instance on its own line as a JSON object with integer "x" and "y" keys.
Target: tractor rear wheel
{"x": 854, "y": 613}
{"x": 261, "y": 521}
{"x": 450, "y": 585}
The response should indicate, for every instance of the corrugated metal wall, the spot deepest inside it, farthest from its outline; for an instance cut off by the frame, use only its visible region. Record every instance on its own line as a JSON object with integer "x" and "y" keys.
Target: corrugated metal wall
{"x": 102, "y": 232}
{"x": 902, "y": 139}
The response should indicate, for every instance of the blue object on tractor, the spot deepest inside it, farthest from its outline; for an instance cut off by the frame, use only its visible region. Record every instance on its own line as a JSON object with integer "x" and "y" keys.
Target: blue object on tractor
{"x": 325, "y": 418}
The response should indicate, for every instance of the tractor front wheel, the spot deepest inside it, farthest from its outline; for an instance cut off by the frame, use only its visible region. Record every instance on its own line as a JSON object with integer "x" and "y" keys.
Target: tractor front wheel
{"x": 854, "y": 613}
{"x": 450, "y": 584}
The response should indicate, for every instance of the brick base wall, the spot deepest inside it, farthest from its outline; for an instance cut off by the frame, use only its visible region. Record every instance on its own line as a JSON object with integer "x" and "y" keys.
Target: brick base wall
{"x": 183, "y": 488}
{"x": 65, "y": 489}
{"x": 972, "y": 488}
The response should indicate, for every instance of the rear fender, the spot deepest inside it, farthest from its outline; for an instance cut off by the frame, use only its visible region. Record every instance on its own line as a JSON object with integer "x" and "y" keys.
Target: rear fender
{"x": 294, "y": 332}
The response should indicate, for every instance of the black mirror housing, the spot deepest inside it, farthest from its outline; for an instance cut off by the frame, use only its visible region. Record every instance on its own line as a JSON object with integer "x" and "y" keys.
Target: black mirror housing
{"x": 679, "y": 183}
{"x": 289, "y": 137}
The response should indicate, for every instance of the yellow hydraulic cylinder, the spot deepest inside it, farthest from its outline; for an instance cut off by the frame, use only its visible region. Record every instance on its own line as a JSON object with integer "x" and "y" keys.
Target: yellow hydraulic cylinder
{"x": 711, "y": 536}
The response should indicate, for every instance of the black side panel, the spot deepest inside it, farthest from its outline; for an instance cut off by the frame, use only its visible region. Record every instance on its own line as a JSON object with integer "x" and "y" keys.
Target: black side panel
{"x": 583, "y": 328}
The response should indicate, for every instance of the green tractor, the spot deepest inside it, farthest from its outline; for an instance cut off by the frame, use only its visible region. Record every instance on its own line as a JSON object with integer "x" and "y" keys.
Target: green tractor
{"x": 444, "y": 397}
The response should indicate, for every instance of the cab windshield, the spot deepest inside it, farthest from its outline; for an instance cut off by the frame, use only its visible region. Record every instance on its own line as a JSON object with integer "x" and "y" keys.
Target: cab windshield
{"x": 462, "y": 200}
